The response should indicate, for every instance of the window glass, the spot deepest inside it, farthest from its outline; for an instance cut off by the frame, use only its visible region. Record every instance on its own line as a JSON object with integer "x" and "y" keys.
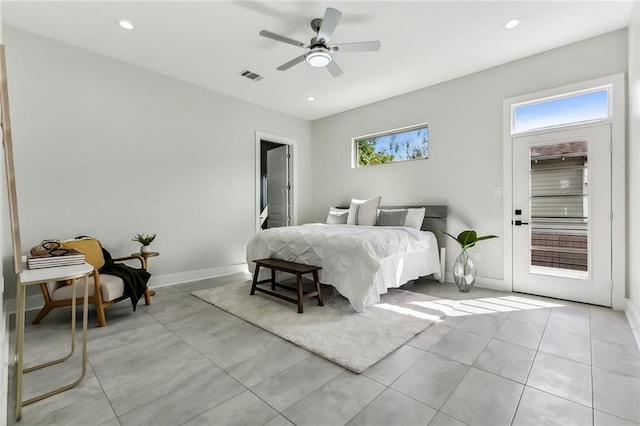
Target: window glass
{"x": 411, "y": 143}
{"x": 579, "y": 108}
{"x": 559, "y": 205}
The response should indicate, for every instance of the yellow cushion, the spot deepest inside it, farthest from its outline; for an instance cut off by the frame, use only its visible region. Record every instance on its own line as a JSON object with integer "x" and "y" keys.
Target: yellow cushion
{"x": 91, "y": 249}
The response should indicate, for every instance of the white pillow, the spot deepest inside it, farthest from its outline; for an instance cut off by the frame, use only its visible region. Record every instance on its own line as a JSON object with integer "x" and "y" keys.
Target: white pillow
{"x": 363, "y": 212}
{"x": 337, "y": 216}
{"x": 415, "y": 218}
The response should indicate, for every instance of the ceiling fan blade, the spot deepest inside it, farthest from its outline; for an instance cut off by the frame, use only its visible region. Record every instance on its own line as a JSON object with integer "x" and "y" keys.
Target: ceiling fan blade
{"x": 334, "y": 69}
{"x": 329, "y": 23}
{"x": 277, "y": 37}
{"x": 361, "y": 46}
{"x": 291, "y": 63}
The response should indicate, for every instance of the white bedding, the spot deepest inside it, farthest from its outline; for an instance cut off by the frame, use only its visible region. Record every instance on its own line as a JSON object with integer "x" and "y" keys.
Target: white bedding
{"x": 361, "y": 262}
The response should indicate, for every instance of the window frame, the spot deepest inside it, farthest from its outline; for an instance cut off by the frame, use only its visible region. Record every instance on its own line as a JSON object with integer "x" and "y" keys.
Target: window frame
{"x": 354, "y": 143}
{"x": 617, "y": 120}
{"x": 566, "y": 95}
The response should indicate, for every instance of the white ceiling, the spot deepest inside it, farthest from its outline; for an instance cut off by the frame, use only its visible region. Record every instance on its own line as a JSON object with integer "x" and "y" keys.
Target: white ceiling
{"x": 208, "y": 43}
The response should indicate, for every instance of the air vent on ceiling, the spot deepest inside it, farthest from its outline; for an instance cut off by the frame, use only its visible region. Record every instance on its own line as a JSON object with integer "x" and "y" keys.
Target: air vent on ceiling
{"x": 251, "y": 75}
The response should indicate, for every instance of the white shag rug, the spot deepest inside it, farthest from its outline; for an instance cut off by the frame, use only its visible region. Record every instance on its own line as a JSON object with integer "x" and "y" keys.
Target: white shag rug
{"x": 334, "y": 331}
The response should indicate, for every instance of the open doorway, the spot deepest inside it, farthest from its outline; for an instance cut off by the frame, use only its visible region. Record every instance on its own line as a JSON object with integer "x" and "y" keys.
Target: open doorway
{"x": 275, "y": 185}
{"x": 275, "y": 177}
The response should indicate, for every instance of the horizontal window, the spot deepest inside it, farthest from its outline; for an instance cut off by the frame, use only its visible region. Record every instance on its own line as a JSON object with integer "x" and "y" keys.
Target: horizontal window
{"x": 409, "y": 143}
{"x": 561, "y": 111}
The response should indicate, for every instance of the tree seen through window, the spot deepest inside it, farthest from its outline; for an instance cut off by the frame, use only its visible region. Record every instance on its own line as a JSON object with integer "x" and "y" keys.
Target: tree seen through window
{"x": 412, "y": 144}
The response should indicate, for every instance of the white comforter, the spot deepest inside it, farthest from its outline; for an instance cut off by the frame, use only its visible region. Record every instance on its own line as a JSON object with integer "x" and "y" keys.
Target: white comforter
{"x": 361, "y": 262}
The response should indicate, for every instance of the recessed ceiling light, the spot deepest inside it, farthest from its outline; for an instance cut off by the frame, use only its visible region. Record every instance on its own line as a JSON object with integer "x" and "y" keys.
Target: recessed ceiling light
{"x": 512, "y": 23}
{"x": 311, "y": 98}
{"x": 126, "y": 25}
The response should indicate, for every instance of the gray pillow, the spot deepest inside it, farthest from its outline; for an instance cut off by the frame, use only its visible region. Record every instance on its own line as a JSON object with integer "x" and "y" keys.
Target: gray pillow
{"x": 392, "y": 217}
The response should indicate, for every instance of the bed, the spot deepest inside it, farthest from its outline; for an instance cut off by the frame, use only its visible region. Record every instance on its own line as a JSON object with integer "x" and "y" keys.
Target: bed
{"x": 361, "y": 262}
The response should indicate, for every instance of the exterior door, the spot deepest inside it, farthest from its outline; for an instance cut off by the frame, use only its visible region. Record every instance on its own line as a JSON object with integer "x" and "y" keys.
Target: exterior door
{"x": 562, "y": 214}
{"x": 278, "y": 186}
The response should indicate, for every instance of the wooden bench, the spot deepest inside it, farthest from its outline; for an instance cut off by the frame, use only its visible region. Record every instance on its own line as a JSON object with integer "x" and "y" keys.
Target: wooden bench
{"x": 298, "y": 269}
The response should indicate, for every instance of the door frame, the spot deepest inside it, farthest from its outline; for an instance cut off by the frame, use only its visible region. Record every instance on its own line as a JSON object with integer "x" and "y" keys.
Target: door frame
{"x": 618, "y": 177}
{"x": 595, "y": 287}
{"x": 277, "y": 168}
{"x": 293, "y": 175}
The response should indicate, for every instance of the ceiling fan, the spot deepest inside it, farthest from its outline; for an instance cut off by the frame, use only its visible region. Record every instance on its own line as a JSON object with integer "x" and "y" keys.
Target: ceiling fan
{"x": 320, "y": 52}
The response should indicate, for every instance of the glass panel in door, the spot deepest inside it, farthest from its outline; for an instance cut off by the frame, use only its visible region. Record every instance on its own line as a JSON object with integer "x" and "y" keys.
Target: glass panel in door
{"x": 559, "y": 203}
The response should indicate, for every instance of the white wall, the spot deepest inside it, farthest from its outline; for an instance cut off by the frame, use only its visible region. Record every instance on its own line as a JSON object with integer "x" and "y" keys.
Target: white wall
{"x": 106, "y": 149}
{"x": 633, "y": 171}
{"x": 465, "y": 125}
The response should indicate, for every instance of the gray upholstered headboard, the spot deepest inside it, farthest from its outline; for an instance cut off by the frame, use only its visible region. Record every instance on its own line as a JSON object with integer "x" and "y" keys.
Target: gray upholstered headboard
{"x": 435, "y": 219}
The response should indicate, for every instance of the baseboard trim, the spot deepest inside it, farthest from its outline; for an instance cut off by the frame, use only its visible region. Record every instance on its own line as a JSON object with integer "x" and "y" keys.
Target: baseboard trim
{"x": 485, "y": 282}
{"x": 31, "y": 302}
{"x": 198, "y": 275}
{"x": 633, "y": 316}
{"x": 35, "y": 301}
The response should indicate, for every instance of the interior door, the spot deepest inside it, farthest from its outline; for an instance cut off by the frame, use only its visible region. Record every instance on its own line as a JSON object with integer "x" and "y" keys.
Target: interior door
{"x": 562, "y": 214}
{"x": 278, "y": 186}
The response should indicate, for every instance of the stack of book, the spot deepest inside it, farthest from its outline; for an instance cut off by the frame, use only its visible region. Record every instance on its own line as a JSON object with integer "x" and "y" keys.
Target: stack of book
{"x": 49, "y": 260}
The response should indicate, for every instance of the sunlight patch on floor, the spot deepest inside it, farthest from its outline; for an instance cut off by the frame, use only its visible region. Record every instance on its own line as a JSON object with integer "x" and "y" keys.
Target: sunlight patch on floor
{"x": 407, "y": 311}
{"x": 485, "y": 305}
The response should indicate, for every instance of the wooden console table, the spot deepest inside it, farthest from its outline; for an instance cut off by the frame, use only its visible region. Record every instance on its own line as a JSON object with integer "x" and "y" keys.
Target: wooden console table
{"x": 34, "y": 277}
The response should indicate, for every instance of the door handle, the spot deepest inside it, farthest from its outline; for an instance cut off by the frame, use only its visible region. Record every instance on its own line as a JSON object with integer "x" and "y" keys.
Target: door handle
{"x": 519, "y": 223}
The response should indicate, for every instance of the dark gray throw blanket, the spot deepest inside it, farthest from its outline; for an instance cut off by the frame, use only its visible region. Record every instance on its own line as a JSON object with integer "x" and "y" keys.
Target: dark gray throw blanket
{"x": 135, "y": 280}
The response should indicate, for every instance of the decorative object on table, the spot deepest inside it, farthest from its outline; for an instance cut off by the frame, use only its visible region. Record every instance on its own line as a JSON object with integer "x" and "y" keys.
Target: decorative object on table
{"x": 51, "y": 253}
{"x": 145, "y": 240}
{"x": 464, "y": 270}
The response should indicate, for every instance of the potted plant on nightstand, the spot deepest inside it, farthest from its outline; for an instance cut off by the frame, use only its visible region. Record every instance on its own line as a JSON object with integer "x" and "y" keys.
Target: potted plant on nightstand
{"x": 464, "y": 270}
{"x": 145, "y": 240}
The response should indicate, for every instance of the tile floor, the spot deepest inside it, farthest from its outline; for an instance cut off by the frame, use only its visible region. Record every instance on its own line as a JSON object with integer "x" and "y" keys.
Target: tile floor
{"x": 496, "y": 359}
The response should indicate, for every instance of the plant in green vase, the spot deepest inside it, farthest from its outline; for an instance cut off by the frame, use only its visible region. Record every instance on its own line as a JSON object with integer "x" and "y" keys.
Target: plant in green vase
{"x": 145, "y": 240}
{"x": 464, "y": 270}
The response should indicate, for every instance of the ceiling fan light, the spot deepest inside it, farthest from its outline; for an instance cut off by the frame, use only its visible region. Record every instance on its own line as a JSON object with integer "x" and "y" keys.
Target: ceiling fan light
{"x": 318, "y": 58}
